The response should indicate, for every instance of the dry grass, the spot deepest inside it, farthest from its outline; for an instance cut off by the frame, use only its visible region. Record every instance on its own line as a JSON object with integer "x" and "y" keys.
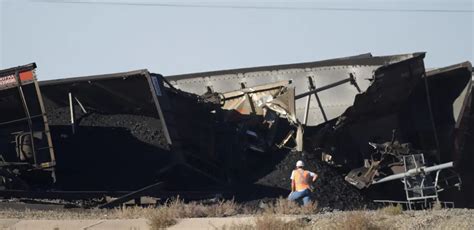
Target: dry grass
{"x": 222, "y": 208}
{"x": 131, "y": 212}
{"x": 392, "y": 210}
{"x": 176, "y": 207}
{"x": 357, "y": 221}
{"x": 437, "y": 206}
{"x": 455, "y": 223}
{"x": 166, "y": 215}
{"x": 270, "y": 217}
{"x": 286, "y": 207}
{"x": 270, "y": 222}
{"x": 161, "y": 219}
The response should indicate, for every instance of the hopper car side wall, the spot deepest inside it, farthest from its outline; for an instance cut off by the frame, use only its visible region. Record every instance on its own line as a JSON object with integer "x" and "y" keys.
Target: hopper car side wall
{"x": 334, "y": 101}
{"x": 119, "y": 143}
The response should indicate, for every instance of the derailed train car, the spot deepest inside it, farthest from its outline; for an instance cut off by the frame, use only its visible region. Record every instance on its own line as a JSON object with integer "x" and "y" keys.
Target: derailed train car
{"x": 108, "y": 130}
{"x": 126, "y": 130}
{"x": 393, "y": 122}
{"x": 333, "y": 83}
{"x": 26, "y": 152}
{"x": 356, "y": 90}
{"x": 392, "y": 101}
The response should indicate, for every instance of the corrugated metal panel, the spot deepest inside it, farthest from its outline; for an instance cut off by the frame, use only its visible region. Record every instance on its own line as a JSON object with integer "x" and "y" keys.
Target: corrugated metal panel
{"x": 335, "y": 101}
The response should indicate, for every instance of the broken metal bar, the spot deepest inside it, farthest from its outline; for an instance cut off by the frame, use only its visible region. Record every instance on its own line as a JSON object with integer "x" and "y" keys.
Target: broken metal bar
{"x": 132, "y": 195}
{"x": 80, "y": 105}
{"x": 255, "y": 89}
{"x": 308, "y": 100}
{"x": 27, "y": 113}
{"x": 252, "y": 106}
{"x": 162, "y": 104}
{"x": 415, "y": 171}
{"x": 317, "y": 99}
{"x": 322, "y": 88}
{"x": 354, "y": 82}
{"x": 306, "y": 110}
{"x": 71, "y": 112}
{"x": 286, "y": 139}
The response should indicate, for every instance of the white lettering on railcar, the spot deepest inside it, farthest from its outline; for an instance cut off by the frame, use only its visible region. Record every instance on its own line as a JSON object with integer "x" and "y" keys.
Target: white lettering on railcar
{"x": 7, "y": 81}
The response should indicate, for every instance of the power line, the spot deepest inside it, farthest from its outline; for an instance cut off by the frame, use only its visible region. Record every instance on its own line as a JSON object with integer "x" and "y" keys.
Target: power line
{"x": 210, "y": 6}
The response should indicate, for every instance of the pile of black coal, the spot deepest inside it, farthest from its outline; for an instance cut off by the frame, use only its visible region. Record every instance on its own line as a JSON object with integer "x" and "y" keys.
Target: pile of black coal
{"x": 331, "y": 190}
{"x": 106, "y": 151}
{"x": 144, "y": 128}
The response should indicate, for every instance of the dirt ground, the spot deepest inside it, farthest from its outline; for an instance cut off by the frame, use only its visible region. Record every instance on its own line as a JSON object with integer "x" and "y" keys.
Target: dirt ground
{"x": 438, "y": 219}
{"x": 228, "y": 215}
{"x": 430, "y": 219}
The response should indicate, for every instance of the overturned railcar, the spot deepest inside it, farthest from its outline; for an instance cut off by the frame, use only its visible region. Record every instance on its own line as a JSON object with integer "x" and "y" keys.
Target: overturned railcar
{"x": 402, "y": 97}
{"x": 325, "y": 88}
{"x": 26, "y": 151}
{"x": 360, "y": 100}
{"x": 402, "y": 105}
{"x": 108, "y": 130}
{"x": 127, "y": 130}
{"x": 124, "y": 131}
{"x": 464, "y": 144}
{"x": 364, "y": 92}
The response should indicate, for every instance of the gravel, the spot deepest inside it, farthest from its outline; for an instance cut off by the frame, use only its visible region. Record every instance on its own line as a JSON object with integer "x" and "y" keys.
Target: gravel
{"x": 425, "y": 219}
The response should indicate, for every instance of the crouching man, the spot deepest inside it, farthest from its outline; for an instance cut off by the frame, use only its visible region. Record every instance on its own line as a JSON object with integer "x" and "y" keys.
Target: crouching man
{"x": 301, "y": 184}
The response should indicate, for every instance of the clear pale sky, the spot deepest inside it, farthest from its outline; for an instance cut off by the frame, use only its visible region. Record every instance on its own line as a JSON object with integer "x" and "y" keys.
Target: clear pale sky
{"x": 77, "y": 39}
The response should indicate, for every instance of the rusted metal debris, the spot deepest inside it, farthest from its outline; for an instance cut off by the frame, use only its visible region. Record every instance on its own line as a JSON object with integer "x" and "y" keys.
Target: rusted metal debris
{"x": 133, "y": 195}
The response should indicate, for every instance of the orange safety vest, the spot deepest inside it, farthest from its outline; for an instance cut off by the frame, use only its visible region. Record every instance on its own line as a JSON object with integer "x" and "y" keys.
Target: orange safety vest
{"x": 301, "y": 178}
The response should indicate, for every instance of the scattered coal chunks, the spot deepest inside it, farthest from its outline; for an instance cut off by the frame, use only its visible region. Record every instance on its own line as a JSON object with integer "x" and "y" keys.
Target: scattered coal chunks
{"x": 331, "y": 192}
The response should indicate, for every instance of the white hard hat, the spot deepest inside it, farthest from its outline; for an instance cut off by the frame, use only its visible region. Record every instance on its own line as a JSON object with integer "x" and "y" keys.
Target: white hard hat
{"x": 299, "y": 164}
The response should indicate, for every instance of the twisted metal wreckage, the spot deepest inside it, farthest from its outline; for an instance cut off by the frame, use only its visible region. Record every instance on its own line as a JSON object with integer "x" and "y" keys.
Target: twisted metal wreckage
{"x": 384, "y": 113}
